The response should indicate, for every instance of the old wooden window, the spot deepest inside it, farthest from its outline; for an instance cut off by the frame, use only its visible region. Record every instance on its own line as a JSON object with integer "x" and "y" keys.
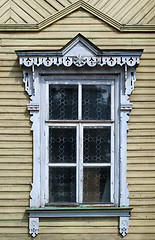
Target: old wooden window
{"x": 81, "y": 142}
{"x": 79, "y": 106}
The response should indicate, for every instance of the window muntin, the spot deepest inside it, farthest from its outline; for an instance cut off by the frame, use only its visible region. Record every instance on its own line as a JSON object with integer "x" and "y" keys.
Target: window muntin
{"x": 94, "y": 145}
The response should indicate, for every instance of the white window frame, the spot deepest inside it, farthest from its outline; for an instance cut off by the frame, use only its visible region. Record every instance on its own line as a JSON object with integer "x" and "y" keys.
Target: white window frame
{"x": 79, "y": 127}
{"x": 38, "y": 66}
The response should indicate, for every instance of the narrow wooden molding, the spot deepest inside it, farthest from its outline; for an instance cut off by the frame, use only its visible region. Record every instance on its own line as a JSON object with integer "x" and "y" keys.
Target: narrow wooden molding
{"x": 60, "y": 14}
{"x": 137, "y": 28}
{"x": 71, "y": 8}
{"x": 18, "y": 27}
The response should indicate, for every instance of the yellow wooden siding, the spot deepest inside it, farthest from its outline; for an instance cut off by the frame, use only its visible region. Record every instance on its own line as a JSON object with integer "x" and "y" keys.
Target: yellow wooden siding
{"x": 126, "y": 12}
{"x": 16, "y": 138}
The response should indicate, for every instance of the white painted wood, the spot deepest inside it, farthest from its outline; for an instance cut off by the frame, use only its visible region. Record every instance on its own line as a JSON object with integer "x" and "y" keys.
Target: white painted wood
{"x": 82, "y": 81}
{"x": 79, "y": 61}
{"x": 45, "y": 168}
{"x": 79, "y": 101}
{"x": 112, "y": 101}
{"x": 123, "y": 225}
{"x": 112, "y": 173}
{"x": 81, "y": 164}
{"x": 97, "y": 164}
{"x": 77, "y": 162}
{"x": 34, "y": 226}
{"x": 117, "y": 93}
{"x": 34, "y": 108}
{"x": 62, "y": 164}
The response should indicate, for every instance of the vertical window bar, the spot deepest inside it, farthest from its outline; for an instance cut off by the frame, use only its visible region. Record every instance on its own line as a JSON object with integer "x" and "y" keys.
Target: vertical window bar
{"x": 112, "y": 165}
{"x": 79, "y": 101}
{"x": 112, "y": 144}
{"x": 77, "y": 162}
{"x": 112, "y": 101}
{"x": 81, "y": 164}
{"x": 47, "y": 161}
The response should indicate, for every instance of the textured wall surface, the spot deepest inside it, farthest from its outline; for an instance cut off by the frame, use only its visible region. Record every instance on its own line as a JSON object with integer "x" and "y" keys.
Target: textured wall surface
{"x": 126, "y": 12}
{"x": 16, "y": 137}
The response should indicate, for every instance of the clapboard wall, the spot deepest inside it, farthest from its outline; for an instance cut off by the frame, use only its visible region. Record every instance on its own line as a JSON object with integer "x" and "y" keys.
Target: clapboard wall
{"x": 16, "y": 137}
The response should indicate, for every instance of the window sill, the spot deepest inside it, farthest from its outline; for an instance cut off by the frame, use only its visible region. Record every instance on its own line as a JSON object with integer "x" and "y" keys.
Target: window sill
{"x": 79, "y": 211}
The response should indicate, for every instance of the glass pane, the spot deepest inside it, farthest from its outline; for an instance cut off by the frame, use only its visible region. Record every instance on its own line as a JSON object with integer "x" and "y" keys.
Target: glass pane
{"x": 63, "y": 103}
{"x": 62, "y": 184}
{"x": 96, "y": 185}
{"x": 97, "y": 145}
{"x": 62, "y": 145}
{"x": 96, "y": 102}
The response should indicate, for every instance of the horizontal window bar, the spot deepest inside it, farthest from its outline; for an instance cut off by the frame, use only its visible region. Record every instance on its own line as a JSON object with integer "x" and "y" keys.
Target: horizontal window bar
{"x": 62, "y": 164}
{"x": 97, "y": 164}
{"x": 79, "y": 121}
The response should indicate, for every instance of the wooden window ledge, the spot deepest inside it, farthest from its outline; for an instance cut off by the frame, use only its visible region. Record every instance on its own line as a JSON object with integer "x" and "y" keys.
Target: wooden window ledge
{"x": 78, "y": 211}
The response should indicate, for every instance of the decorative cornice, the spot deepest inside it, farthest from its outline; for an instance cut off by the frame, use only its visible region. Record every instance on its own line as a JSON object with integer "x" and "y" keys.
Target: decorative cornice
{"x": 79, "y": 61}
{"x": 71, "y": 8}
{"x": 70, "y": 55}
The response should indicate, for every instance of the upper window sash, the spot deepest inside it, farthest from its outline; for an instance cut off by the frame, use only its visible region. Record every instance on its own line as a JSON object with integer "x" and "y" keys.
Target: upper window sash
{"x": 85, "y": 108}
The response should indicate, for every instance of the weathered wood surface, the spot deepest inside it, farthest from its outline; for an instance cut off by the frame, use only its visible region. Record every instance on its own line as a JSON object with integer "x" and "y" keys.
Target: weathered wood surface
{"x": 16, "y": 137}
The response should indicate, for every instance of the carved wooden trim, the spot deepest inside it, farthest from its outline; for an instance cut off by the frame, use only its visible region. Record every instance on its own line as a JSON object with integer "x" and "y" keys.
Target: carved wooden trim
{"x": 33, "y": 226}
{"x": 79, "y": 61}
{"x": 69, "y": 212}
{"x": 123, "y": 225}
{"x": 34, "y": 63}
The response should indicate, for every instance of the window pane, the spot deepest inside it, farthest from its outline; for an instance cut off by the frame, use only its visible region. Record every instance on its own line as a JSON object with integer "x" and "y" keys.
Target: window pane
{"x": 62, "y": 145}
{"x": 62, "y": 184}
{"x": 97, "y": 145}
{"x": 63, "y": 103}
{"x": 96, "y": 102}
{"x": 96, "y": 185}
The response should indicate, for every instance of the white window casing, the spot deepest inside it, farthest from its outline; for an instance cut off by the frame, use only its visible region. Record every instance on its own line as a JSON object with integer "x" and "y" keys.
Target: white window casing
{"x": 79, "y": 62}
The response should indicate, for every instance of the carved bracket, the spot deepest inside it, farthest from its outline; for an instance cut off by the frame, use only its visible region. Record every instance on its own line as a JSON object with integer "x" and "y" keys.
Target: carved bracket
{"x": 124, "y": 225}
{"x": 33, "y": 226}
{"x": 29, "y": 81}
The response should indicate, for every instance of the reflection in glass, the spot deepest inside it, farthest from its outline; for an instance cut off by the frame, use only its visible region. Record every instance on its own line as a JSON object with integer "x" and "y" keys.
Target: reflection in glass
{"x": 63, "y": 102}
{"x": 97, "y": 145}
{"x": 62, "y": 183}
{"x": 96, "y": 102}
{"x": 62, "y": 145}
{"x": 96, "y": 185}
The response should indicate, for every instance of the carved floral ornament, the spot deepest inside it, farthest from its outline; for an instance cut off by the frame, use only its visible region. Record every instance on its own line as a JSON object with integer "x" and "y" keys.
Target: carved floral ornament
{"x": 79, "y": 61}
